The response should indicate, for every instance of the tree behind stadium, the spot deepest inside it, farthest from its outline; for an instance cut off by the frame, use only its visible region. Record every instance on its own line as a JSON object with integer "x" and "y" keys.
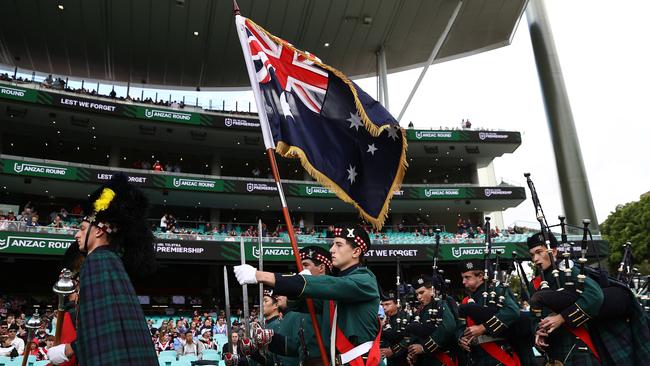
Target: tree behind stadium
{"x": 630, "y": 222}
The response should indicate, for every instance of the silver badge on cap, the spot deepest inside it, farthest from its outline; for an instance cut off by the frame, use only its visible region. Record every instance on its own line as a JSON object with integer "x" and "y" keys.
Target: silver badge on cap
{"x": 350, "y": 233}
{"x": 469, "y": 265}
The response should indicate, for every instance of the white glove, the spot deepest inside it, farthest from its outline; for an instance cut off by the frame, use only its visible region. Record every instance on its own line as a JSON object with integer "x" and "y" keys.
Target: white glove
{"x": 305, "y": 272}
{"x": 245, "y": 274}
{"x": 56, "y": 354}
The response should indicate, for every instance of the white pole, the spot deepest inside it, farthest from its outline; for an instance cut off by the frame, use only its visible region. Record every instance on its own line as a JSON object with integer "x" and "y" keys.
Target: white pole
{"x": 432, "y": 57}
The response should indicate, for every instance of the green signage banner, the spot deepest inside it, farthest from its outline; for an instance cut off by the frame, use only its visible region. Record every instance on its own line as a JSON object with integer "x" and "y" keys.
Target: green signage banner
{"x": 463, "y": 136}
{"x": 44, "y": 170}
{"x": 17, "y": 93}
{"x": 39, "y": 243}
{"x": 164, "y": 115}
{"x": 124, "y": 109}
{"x": 225, "y": 121}
{"x": 34, "y": 243}
{"x": 208, "y": 184}
{"x": 187, "y": 183}
{"x": 309, "y": 190}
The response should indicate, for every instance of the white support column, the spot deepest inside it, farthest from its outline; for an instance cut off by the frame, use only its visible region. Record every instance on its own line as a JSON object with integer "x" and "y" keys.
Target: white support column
{"x": 382, "y": 77}
{"x": 380, "y": 87}
{"x": 487, "y": 177}
{"x": 432, "y": 57}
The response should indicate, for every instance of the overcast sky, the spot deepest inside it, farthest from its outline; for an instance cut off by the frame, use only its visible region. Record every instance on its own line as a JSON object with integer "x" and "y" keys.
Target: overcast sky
{"x": 605, "y": 58}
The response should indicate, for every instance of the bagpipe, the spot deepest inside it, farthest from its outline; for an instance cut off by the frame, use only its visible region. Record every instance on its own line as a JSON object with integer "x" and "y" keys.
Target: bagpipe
{"x": 419, "y": 321}
{"x": 618, "y": 299}
{"x": 495, "y": 292}
{"x": 632, "y": 277}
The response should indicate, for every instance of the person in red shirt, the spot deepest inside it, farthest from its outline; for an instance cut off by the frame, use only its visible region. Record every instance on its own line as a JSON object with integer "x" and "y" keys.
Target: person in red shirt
{"x": 157, "y": 166}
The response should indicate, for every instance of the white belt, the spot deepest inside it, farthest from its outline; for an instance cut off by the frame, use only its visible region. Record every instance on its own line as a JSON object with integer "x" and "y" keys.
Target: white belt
{"x": 357, "y": 351}
{"x": 350, "y": 355}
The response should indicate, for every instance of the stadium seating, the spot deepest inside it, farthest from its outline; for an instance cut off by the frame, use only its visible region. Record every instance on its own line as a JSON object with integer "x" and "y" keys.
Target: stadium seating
{"x": 391, "y": 238}
{"x": 182, "y": 363}
{"x": 166, "y": 360}
{"x": 168, "y": 354}
{"x": 188, "y": 358}
{"x": 17, "y": 361}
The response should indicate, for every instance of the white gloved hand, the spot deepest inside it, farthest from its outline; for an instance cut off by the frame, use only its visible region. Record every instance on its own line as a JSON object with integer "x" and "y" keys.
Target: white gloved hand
{"x": 245, "y": 274}
{"x": 305, "y": 272}
{"x": 57, "y": 355}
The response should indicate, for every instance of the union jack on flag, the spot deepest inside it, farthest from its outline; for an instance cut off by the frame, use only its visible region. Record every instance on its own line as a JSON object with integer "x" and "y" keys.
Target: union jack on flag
{"x": 308, "y": 110}
{"x": 295, "y": 71}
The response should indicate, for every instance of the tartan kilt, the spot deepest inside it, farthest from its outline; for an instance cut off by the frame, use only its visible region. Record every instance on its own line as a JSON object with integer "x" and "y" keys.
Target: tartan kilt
{"x": 111, "y": 328}
{"x": 623, "y": 341}
{"x": 568, "y": 349}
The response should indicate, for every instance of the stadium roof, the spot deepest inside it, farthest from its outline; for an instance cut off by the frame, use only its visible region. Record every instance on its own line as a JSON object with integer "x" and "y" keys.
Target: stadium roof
{"x": 190, "y": 43}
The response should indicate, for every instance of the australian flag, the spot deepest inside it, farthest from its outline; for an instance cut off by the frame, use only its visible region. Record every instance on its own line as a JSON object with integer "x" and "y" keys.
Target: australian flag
{"x": 345, "y": 139}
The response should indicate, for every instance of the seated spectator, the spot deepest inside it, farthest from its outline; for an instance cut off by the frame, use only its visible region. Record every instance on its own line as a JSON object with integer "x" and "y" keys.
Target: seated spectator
{"x": 44, "y": 347}
{"x": 194, "y": 329}
{"x": 207, "y": 324}
{"x": 33, "y": 348}
{"x": 157, "y": 167}
{"x": 33, "y": 222}
{"x": 206, "y": 339}
{"x": 235, "y": 347}
{"x": 13, "y": 341}
{"x": 190, "y": 347}
{"x": 112, "y": 94}
{"x": 26, "y": 215}
{"x": 164, "y": 343}
{"x": 220, "y": 327}
{"x": 177, "y": 339}
{"x": 163, "y": 223}
{"x": 10, "y": 216}
{"x": 57, "y": 223}
{"x": 41, "y": 334}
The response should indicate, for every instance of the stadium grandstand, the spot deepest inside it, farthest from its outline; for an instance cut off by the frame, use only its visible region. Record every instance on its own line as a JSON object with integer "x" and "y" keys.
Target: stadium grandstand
{"x": 75, "y": 114}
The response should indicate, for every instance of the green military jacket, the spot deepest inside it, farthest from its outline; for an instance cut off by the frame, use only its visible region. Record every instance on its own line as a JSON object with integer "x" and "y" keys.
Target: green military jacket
{"x": 563, "y": 345}
{"x": 355, "y": 293}
{"x": 390, "y": 338}
{"x": 289, "y": 326}
{"x": 440, "y": 340}
{"x": 497, "y": 327}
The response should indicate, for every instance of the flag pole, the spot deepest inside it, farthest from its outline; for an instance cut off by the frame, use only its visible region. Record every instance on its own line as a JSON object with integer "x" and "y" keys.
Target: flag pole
{"x": 270, "y": 153}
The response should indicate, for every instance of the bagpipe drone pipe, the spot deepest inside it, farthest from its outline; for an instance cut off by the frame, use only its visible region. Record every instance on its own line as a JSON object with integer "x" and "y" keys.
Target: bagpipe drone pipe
{"x": 420, "y": 321}
{"x": 618, "y": 298}
{"x": 521, "y": 329}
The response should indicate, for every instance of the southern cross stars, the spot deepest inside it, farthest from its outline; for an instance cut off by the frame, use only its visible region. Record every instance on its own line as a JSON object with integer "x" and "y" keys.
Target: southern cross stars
{"x": 392, "y": 133}
{"x": 352, "y": 174}
{"x": 372, "y": 149}
{"x": 355, "y": 121}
